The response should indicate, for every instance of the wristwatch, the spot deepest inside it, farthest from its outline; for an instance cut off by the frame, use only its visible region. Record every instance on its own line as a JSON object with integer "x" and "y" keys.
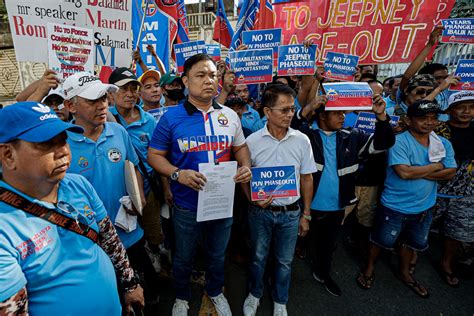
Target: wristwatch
{"x": 175, "y": 175}
{"x": 306, "y": 217}
{"x": 132, "y": 284}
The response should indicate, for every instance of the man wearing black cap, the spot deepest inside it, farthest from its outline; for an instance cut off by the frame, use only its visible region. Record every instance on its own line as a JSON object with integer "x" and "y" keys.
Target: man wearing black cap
{"x": 140, "y": 126}
{"x": 416, "y": 162}
{"x": 58, "y": 247}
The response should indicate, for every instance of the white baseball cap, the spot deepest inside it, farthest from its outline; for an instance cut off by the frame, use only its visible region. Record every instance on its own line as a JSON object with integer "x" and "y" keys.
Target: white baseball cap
{"x": 459, "y": 97}
{"x": 87, "y": 86}
{"x": 58, "y": 91}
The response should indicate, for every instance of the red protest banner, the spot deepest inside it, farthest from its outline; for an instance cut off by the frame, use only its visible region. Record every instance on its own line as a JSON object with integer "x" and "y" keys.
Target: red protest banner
{"x": 378, "y": 31}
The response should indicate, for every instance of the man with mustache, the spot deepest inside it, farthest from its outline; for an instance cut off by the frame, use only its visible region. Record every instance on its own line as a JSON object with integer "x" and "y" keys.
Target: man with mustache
{"x": 58, "y": 247}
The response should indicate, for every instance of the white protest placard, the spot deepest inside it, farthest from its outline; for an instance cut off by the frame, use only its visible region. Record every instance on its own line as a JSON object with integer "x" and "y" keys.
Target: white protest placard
{"x": 216, "y": 199}
{"x": 70, "y": 49}
{"x": 111, "y": 22}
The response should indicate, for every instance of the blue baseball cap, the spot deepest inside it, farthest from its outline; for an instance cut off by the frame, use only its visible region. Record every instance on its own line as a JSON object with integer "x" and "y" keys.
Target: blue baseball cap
{"x": 32, "y": 122}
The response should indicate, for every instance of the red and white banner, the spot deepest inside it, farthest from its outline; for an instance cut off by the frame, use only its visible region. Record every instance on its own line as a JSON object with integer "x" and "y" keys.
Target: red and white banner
{"x": 378, "y": 31}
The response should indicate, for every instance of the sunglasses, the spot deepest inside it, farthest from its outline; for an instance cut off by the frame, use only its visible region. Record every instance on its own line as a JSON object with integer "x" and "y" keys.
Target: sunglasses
{"x": 423, "y": 92}
{"x": 81, "y": 220}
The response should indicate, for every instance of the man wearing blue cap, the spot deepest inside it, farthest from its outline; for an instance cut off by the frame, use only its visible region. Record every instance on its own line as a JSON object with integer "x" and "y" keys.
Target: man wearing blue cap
{"x": 58, "y": 247}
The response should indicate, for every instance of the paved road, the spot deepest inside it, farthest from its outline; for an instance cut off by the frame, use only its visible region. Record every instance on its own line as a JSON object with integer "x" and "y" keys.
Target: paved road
{"x": 388, "y": 296}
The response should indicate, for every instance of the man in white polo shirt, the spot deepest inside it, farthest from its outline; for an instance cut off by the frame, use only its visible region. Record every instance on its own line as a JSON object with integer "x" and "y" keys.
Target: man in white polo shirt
{"x": 279, "y": 220}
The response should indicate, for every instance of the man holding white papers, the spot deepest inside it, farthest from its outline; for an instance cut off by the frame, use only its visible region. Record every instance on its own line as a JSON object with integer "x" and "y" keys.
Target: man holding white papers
{"x": 278, "y": 219}
{"x": 198, "y": 131}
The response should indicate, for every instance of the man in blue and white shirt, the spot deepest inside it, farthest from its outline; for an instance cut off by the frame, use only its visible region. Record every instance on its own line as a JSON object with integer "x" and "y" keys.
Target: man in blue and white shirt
{"x": 198, "y": 131}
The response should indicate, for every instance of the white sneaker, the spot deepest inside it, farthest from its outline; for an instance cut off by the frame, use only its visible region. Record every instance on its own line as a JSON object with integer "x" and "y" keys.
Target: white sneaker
{"x": 221, "y": 305}
{"x": 180, "y": 308}
{"x": 250, "y": 305}
{"x": 279, "y": 309}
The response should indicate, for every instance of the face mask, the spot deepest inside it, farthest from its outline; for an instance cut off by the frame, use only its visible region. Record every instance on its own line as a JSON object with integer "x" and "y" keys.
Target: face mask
{"x": 175, "y": 94}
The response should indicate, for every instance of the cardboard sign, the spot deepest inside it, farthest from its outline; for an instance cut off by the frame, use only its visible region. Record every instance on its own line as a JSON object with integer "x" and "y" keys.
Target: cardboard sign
{"x": 185, "y": 50}
{"x": 279, "y": 182}
{"x": 252, "y": 66}
{"x": 340, "y": 66}
{"x": 465, "y": 70}
{"x": 214, "y": 50}
{"x": 366, "y": 121}
{"x": 296, "y": 60}
{"x": 458, "y": 31}
{"x": 261, "y": 39}
{"x": 111, "y": 22}
{"x": 348, "y": 96}
{"x": 70, "y": 49}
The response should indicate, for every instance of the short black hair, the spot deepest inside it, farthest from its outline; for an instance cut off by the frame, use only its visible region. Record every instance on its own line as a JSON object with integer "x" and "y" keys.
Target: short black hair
{"x": 429, "y": 69}
{"x": 193, "y": 60}
{"x": 392, "y": 80}
{"x": 291, "y": 83}
{"x": 370, "y": 77}
{"x": 272, "y": 91}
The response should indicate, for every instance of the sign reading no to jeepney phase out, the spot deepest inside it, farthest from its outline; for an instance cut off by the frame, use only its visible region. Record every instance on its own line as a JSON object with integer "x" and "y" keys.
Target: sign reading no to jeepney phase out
{"x": 296, "y": 60}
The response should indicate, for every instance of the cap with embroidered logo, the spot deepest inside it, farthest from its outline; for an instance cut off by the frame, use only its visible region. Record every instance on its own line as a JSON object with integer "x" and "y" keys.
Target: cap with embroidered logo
{"x": 121, "y": 76}
{"x": 422, "y": 108}
{"x": 87, "y": 86}
{"x": 32, "y": 122}
{"x": 458, "y": 97}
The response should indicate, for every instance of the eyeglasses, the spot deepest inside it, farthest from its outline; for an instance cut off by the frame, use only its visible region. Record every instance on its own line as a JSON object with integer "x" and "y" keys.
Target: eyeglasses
{"x": 80, "y": 219}
{"x": 291, "y": 109}
{"x": 423, "y": 92}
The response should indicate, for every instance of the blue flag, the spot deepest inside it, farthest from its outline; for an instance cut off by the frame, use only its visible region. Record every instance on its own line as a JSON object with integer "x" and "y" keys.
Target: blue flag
{"x": 155, "y": 32}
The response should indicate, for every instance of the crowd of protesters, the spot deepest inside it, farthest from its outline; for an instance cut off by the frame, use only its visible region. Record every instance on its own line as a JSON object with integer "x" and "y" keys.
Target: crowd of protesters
{"x": 69, "y": 233}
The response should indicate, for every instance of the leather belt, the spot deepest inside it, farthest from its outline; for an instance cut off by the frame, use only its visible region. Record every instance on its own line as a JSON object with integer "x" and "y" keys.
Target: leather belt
{"x": 278, "y": 208}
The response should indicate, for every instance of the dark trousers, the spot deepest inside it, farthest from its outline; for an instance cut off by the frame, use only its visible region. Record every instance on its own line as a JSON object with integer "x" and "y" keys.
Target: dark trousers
{"x": 324, "y": 230}
{"x": 142, "y": 264}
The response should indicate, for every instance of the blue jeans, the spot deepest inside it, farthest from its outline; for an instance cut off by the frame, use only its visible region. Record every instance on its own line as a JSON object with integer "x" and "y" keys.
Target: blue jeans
{"x": 282, "y": 228}
{"x": 410, "y": 229}
{"x": 215, "y": 237}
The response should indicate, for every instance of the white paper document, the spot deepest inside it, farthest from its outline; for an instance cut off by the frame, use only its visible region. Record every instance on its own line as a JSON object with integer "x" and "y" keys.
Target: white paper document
{"x": 216, "y": 200}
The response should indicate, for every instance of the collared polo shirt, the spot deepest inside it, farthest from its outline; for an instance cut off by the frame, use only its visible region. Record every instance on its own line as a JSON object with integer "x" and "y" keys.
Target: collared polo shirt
{"x": 140, "y": 134}
{"x": 251, "y": 119}
{"x": 64, "y": 272}
{"x": 390, "y": 105}
{"x": 411, "y": 196}
{"x": 103, "y": 164}
{"x": 293, "y": 150}
{"x": 191, "y": 136}
{"x": 327, "y": 193}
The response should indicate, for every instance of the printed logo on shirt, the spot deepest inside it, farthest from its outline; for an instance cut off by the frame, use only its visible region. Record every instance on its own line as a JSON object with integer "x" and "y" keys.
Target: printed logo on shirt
{"x": 34, "y": 244}
{"x": 83, "y": 162}
{"x": 88, "y": 212}
{"x": 222, "y": 119}
{"x": 114, "y": 155}
{"x": 205, "y": 143}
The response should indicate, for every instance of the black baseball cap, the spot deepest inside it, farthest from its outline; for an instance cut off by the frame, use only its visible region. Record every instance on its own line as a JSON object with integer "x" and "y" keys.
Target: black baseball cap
{"x": 422, "y": 107}
{"x": 121, "y": 76}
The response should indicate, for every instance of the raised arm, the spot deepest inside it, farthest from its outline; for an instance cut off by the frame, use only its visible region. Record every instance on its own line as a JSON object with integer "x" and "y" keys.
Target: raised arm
{"x": 420, "y": 58}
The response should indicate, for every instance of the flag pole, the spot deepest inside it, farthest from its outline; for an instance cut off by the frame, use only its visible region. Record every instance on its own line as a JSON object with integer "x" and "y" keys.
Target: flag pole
{"x": 141, "y": 29}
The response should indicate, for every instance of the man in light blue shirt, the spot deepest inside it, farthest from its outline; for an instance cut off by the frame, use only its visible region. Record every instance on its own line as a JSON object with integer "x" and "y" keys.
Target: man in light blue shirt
{"x": 100, "y": 155}
{"x": 250, "y": 118}
{"x": 58, "y": 247}
{"x": 417, "y": 160}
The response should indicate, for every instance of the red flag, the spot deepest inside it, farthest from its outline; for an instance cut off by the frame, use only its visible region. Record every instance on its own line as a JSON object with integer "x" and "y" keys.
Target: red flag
{"x": 223, "y": 31}
{"x": 265, "y": 18}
